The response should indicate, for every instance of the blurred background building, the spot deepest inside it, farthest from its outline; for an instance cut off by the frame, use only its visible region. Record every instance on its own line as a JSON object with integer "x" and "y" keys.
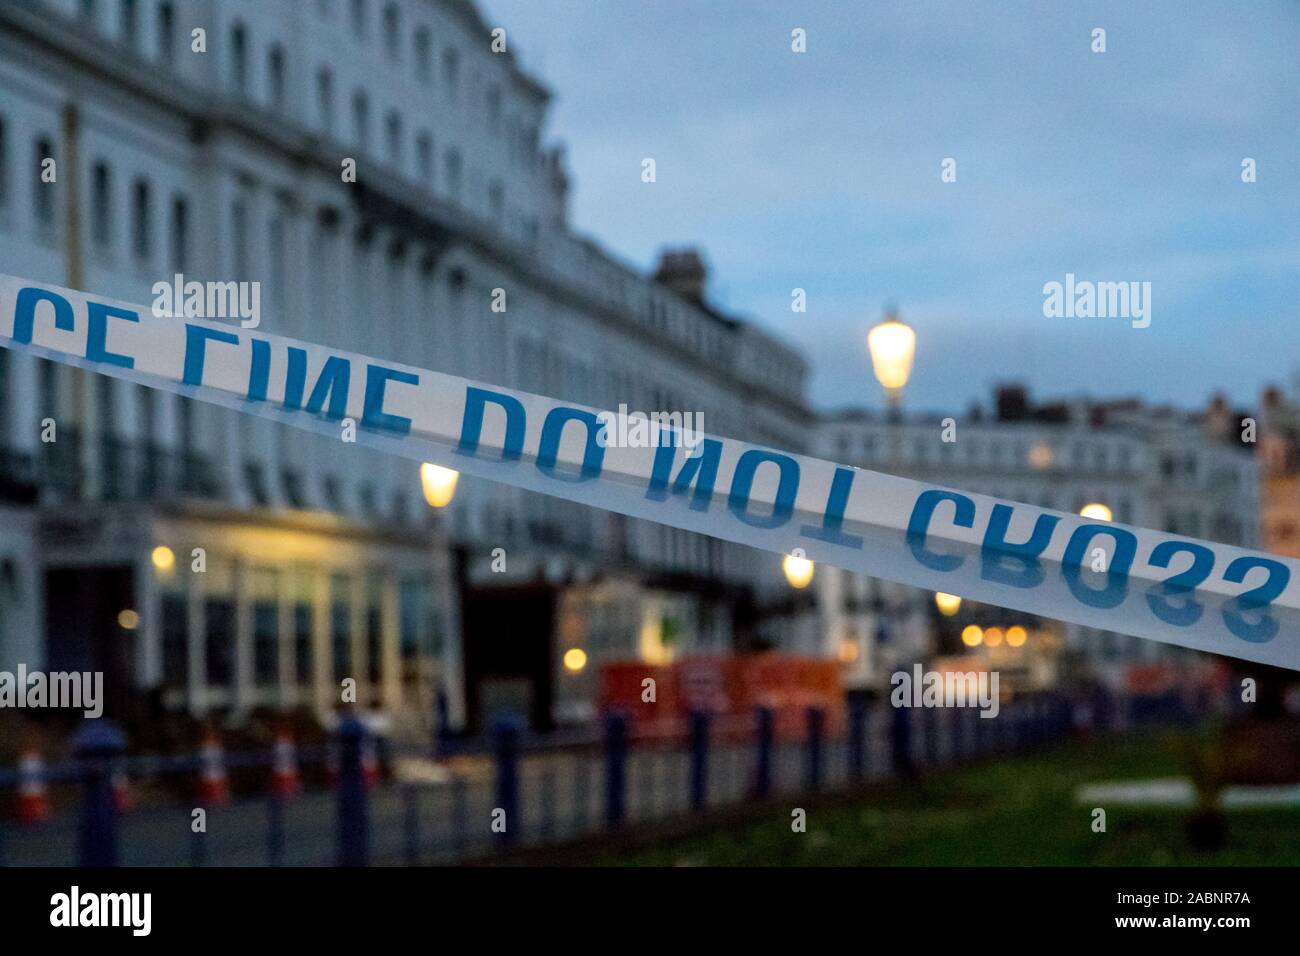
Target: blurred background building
{"x": 1185, "y": 473}
{"x": 219, "y": 156}
{"x": 208, "y": 138}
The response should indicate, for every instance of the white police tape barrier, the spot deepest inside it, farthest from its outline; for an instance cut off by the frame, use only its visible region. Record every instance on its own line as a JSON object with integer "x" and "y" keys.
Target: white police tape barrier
{"x": 1206, "y": 596}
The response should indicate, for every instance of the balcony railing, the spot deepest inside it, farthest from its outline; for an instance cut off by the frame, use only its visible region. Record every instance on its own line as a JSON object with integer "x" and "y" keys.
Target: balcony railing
{"x": 128, "y": 471}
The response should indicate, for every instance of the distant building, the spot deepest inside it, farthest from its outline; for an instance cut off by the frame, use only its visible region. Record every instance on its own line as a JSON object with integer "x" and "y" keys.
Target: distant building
{"x": 1152, "y": 467}
{"x": 1279, "y": 456}
{"x": 321, "y": 560}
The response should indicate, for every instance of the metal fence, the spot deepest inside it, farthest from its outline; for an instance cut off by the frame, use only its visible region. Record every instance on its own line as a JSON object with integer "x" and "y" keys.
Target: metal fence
{"x": 524, "y": 791}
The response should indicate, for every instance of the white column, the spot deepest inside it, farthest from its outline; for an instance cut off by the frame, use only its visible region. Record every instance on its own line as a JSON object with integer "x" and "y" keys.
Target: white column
{"x": 148, "y": 603}
{"x": 23, "y": 401}
{"x": 326, "y": 693}
{"x": 391, "y": 623}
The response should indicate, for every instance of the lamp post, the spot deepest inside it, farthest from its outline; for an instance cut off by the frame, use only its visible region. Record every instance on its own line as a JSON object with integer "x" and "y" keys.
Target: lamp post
{"x": 439, "y": 487}
{"x": 892, "y": 345}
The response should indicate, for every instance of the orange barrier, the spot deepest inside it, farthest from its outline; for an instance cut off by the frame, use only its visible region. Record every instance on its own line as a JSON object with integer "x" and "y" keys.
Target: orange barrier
{"x": 728, "y": 686}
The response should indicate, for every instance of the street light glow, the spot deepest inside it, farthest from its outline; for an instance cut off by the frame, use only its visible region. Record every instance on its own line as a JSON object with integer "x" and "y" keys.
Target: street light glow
{"x": 439, "y": 484}
{"x": 163, "y": 558}
{"x": 1016, "y": 635}
{"x": 972, "y": 635}
{"x": 1096, "y": 511}
{"x": 575, "y": 659}
{"x": 798, "y": 570}
{"x": 892, "y": 345}
{"x": 948, "y": 604}
{"x": 993, "y": 636}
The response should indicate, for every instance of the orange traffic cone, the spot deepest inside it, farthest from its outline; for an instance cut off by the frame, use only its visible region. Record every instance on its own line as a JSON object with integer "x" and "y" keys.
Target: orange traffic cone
{"x": 214, "y": 786}
{"x": 284, "y": 770}
{"x": 33, "y": 796}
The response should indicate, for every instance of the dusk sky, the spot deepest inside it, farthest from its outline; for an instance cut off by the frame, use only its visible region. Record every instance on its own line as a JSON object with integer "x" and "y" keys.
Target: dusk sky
{"x": 822, "y": 171}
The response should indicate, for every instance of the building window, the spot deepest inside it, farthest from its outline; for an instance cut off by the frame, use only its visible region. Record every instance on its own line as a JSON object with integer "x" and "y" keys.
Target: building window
{"x": 360, "y": 119}
{"x": 255, "y": 480}
{"x": 359, "y": 19}
{"x": 266, "y": 627}
{"x": 375, "y": 631}
{"x": 423, "y": 55}
{"x": 176, "y": 634}
{"x": 424, "y": 158}
{"x": 101, "y": 205}
{"x": 394, "y": 130}
{"x": 43, "y": 195}
{"x": 453, "y": 173}
{"x": 180, "y": 234}
{"x": 277, "y": 261}
{"x": 276, "y": 77}
{"x": 166, "y": 38}
{"x": 451, "y": 71}
{"x": 302, "y": 628}
{"x": 341, "y": 626}
{"x": 141, "y": 236}
{"x": 497, "y": 199}
{"x": 392, "y": 32}
{"x": 130, "y": 35}
{"x": 239, "y": 59}
{"x": 239, "y": 238}
{"x": 219, "y": 615}
{"x": 325, "y": 99}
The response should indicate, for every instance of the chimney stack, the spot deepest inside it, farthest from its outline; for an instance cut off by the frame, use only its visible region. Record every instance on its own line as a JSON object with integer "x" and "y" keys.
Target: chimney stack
{"x": 683, "y": 270}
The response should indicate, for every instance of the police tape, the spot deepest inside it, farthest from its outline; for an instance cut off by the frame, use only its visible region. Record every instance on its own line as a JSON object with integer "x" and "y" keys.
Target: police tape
{"x": 1097, "y": 574}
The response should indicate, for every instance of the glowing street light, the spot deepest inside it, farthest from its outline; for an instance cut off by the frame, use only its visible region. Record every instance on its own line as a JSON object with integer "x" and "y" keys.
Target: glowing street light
{"x": 575, "y": 659}
{"x": 1016, "y": 635}
{"x": 972, "y": 635}
{"x": 1096, "y": 511}
{"x": 798, "y": 570}
{"x": 439, "y": 484}
{"x": 892, "y": 345}
{"x": 163, "y": 558}
{"x": 948, "y": 604}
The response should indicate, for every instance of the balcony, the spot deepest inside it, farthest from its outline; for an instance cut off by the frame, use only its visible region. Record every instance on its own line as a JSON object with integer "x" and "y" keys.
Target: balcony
{"x": 129, "y": 471}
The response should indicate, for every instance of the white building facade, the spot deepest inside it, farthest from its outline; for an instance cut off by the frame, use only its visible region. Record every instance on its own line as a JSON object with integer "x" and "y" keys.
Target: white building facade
{"x": 214, "y": 138}
{"x": 1185, "y": 474}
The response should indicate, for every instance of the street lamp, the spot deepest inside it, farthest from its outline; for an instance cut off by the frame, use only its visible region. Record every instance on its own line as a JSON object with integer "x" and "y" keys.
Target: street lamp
{"x": 798, "y": 570}
{"x": 439, "y": 484}
{"x": 1096, "y": 511}
{"x": 892, "y": 345}
{"x": 948, "y": 604}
